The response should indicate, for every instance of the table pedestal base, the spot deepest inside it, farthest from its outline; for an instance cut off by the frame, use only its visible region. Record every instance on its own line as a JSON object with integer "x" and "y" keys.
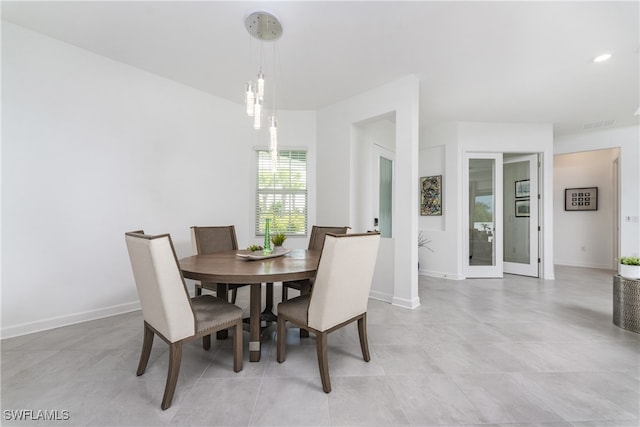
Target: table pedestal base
{"x": 255, "y": 322}
{"x": 255, "y": 299}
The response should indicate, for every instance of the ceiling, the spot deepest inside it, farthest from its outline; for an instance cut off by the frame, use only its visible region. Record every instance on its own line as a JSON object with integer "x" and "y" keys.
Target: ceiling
{"x": 476, "y": 61}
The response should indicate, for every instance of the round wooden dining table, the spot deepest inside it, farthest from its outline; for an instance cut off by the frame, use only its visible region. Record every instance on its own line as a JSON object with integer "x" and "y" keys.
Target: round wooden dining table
{"x": 233, "y": 267}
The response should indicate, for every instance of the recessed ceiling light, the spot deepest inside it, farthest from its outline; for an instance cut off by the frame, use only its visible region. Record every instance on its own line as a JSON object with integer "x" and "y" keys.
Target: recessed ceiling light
{"x": 602, "y": 58}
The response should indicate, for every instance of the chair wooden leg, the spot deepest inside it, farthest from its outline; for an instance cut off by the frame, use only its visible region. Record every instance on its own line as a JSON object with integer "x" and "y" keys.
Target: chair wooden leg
{"x": 234, "y": 295}
{"x": 198, "y": 290}
{"x": 237, "y": 347}
{"x": 175, "y": 355}
{"x": 281, "y": 339}
{"x": 304, "y": 291}
{"x": 147, "y": 342}
{"x": 285, "y": 293}
{"x": 323, "y": 363}
{"x": 362, "y": 332}
{"x": 206, "y": 342}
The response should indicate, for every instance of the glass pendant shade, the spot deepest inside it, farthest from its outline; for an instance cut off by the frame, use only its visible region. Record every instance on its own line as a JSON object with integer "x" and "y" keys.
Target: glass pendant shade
{"x": 260, "y": 89}
{"x": 249, "y": 98}
{"x": 273, "y": 133}
{"x": 273, "y": 142}
{"x": 257, "y": 113}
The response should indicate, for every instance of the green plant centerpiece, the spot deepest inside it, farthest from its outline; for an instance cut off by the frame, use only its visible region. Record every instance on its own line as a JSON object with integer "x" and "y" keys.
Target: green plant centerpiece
{"x": 278, "y": 239}
{"x": 630, "y": 267}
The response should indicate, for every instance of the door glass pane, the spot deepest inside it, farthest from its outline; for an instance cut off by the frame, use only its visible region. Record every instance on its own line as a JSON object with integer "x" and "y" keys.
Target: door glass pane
{"x": 517, "y": 235}
{"x": 386, "y": 173}
{"x": 481, "y": 213}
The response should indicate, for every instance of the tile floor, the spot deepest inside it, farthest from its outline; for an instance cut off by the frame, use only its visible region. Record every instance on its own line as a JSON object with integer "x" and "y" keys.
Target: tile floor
{"x": 492, "y": 353}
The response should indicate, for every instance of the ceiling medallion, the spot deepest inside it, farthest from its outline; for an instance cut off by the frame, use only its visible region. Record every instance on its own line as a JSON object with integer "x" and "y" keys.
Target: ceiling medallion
{"x": 263, "y": 26}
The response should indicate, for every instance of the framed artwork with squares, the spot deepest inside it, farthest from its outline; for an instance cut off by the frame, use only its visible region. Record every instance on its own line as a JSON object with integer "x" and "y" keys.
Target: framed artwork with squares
{"x": 581, "y": 199}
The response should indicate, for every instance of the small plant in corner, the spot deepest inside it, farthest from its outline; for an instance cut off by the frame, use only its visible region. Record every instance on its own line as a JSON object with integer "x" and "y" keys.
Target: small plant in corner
{"x": 278, "y": 239}
{"x": 423, "y": 242}
{"x": 629, "y": 267}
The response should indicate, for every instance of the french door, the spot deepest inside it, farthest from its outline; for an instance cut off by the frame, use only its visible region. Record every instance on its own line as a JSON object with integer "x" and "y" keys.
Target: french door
{"x": 521, "y": 231}
{"x": 482, "y": 220}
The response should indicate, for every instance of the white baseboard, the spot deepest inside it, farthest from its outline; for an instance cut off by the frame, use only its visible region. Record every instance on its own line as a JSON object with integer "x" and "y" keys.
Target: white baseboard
{"x": 406, "y": 303}
{"x": 578, "y": 264}
{"x": 381, "y": 296}
{"x": 66, "y": 320}
{"x": 400, "y": 302}
{"x": 440, "y": 274}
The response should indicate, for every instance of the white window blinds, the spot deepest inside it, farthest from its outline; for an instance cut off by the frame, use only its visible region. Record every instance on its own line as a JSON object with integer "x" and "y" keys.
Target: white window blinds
{"x": 281, "y": 196}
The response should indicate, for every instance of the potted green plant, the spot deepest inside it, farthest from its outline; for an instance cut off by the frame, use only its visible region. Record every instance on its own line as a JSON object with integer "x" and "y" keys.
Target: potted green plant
{"x": 630, "y": 267}
{"x": 278, "y": 239}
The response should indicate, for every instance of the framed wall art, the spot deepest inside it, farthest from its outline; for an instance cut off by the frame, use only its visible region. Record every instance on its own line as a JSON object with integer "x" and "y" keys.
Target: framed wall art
{"x": 431, "y": 195}
{"x": 522, "y": 188}
{"x": 581, "y": 199}
{"x": 523, "y": 208}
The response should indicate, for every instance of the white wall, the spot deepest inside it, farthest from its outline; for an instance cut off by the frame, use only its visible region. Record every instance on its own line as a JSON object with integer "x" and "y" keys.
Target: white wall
{"x": 452, "y": 140}
{"x": 92, "y": 148}
{"x": 338, "y": 184}
{"x": 433, "y": 162}
{"x": 444, "y": 232}
{"x": 628, "y": 140}
{"x": 585, "y": 238}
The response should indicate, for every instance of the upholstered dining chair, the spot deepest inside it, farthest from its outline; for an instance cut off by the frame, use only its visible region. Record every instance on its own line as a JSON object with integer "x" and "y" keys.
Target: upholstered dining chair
{"x": 316, "y": 241}
{"x": 339, "y": 296}
{"x": 169, "y": 312}
{"x": 212, "y": 239}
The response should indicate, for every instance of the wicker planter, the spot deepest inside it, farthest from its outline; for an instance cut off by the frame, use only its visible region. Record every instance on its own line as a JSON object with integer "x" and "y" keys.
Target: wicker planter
{"x": 626, "y": 303}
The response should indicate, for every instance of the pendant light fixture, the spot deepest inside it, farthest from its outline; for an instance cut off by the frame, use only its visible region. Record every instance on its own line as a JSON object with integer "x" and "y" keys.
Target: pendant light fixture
{"x": 273, "y": 142}
{"x": 264, "y": 27}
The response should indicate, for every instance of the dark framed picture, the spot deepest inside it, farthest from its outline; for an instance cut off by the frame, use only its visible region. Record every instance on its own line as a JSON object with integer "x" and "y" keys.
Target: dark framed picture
{"x": 581, "y": 199}
{"x": 522, "y": 188}
{"x": 431, "y": 195}
{"x": 523, "y": 208}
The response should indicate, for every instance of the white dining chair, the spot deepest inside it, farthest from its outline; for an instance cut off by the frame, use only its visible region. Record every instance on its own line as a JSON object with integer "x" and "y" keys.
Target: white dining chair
{"x": 316, "y": 241}
{"x": 338, "y": 297}
{"x": 169, "y": 312}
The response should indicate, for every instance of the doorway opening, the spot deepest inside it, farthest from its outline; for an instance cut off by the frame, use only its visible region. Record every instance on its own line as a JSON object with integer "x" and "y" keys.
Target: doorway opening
{"x": 588, "y": 238}
{"x": 373, "y": 208}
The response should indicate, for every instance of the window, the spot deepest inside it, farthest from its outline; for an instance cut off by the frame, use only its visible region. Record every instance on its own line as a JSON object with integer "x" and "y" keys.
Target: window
{"x": 281, "y": 196}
